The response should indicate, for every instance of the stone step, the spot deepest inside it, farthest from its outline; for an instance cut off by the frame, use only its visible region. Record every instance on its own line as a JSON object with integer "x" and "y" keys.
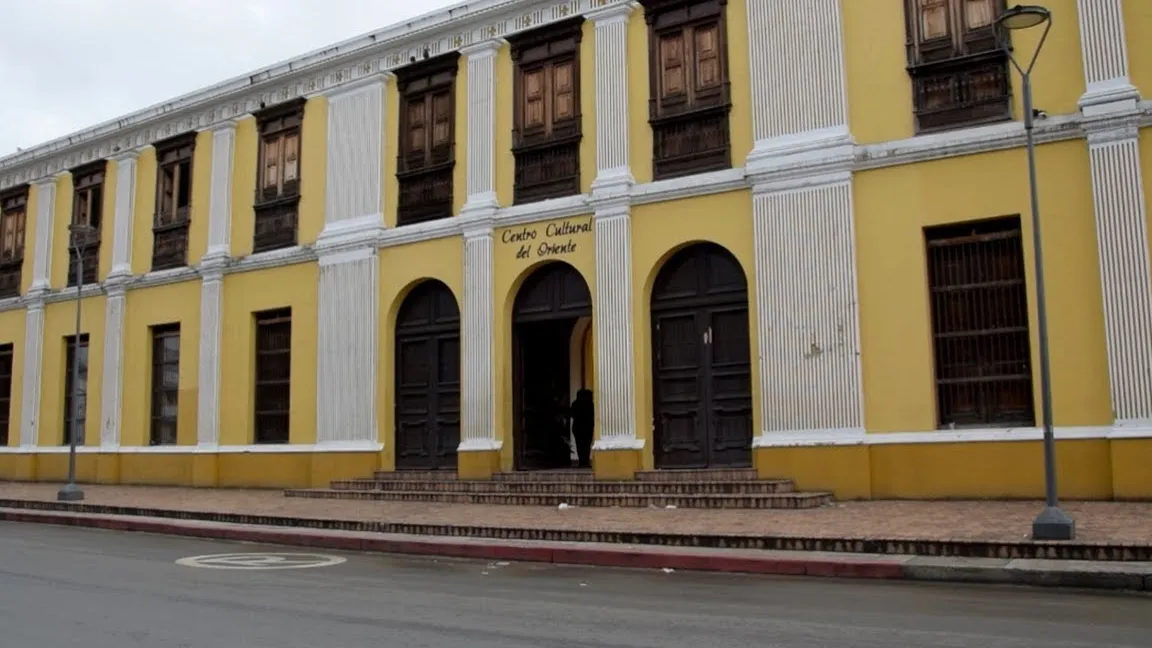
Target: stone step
{"x": 569, "y": 487}
{"x": 697, "y": 474}
{"x": 741, "y": 501}
{"x": 546, "y": 476}
{"x": 417, "y": 475}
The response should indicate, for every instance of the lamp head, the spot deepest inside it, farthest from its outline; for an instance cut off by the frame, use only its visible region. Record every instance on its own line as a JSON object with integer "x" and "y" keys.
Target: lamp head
{"x": 1024, "y": 17}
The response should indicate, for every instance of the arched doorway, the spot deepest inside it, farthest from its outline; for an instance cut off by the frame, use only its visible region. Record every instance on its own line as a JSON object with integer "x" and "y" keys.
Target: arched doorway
{"x": 701, "y": 361}
{"x": 544, "y": 316}
{"x": 428, "y": 379}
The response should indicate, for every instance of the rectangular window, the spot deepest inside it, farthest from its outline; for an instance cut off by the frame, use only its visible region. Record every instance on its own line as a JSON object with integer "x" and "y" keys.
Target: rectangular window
{"x": 546, "y": 139}
{"x": 173, "y": 202}
{"x": 688, "y": 60}
{"x": 427, "y": 138}
{"x": 77, "y": 391}
{"x": 5, "y": 392}
{"x": 87, "y": 215}
{"x": 165, "y": 384}
{"x": 13, "y": 217}
{"x": 958, "y": 65}
{"x": 278, "y": 176}
{"x": 980, "y": 329}
{"x": 273, "y": 375}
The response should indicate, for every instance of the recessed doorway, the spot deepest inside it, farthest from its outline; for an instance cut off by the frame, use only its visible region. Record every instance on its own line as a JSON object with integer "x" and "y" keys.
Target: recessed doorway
{"x": 546, "y": 317}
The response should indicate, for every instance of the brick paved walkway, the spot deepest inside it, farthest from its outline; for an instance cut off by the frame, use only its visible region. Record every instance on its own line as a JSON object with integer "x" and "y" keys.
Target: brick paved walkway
{"x": 1117, "y": 522}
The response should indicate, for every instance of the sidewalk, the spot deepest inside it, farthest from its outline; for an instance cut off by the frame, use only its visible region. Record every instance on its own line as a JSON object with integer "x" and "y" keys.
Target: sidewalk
{"x": 982, "y": 541}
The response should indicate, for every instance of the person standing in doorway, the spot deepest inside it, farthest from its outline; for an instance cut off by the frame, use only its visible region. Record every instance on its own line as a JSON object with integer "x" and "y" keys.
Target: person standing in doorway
{"x": 583, "y": 424}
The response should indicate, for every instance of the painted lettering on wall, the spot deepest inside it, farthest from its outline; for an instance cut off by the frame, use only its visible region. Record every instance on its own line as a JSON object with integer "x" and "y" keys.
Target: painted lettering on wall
{"x": 546, "y": 241}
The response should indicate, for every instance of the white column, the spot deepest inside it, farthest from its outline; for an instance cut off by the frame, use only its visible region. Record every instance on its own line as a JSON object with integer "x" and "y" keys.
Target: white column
{"x": 45, "y": 222}
{"x": 1104, "y": 52}
{"x": 212, "y": 284}
{"x": 478, "y": 393}
{"x": 481, "y": 147}
{"x": 799, "y": 103}
{"x": 33, "y": 364}
{"x": 124, "y": 214}
{"x": 806, "y": 310}
{"x": 220, "y": 197}
{"x": 613, "y": 322}
{"x": 349, "y": 272}
{"x": 612, "y": 65}
{"x": 113, "y": 378}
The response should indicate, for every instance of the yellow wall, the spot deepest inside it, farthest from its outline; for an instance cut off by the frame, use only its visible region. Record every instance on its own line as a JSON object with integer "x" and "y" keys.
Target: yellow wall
{"x": 658, "y": 232}
{"x": 59, "y": 322}
{"x": 505, "y": 161}
{"x": 894, "y": 205}
{"x": 587, "y": 106}
{"x": 313, "y": 170}
{"x": 178, "y": 303}
{"x": 244, "y": 163}
{"x": 460, "y": 170}
{"x": 30, "y": 222}
{"x": 880, "y": 91}
{"x": 639, "y": 132}
{"x": 402, "y": 268}
{"x": 145, "y": 204}
{"x": 247, "y": 293}
{"x": 1138, "y": 27}
{"x": 12, "y": 332}
{"x": 61, "y": 251}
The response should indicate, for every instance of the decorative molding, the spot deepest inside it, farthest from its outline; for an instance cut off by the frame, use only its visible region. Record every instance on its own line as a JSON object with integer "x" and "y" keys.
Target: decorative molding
{"x": 796, "y": 55}
{"x": 1104, "y": 52}
{"x": 317, "y": 448}
{"x": 834, "y": 437}
{"x": 33, "y": 365}
{"x": 112, "y": 382}
{"x": 1125, "y": 273}
{"x": 478, "y": 392}
{"x": 613, "y": 326}
{"x": 480, "y": 445}
{"x": 320, "y": 71}
{"x": 618, "y": 443}
{"x": 355, "y": 166}
{"x": 125, "y": 209}
{"x": 220, "y": 195}
{"x": 347, "y": 335}
{"x": 807, "y": 309}
{"x": 481, "y": 145}
{"x": 612, "y": 87}
{"x": 45, "y": 223}
{"x": 211, "y": 331}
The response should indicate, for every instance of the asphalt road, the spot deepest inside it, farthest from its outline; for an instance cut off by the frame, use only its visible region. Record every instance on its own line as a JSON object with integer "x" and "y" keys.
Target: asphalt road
{"x": 63, "y": 587}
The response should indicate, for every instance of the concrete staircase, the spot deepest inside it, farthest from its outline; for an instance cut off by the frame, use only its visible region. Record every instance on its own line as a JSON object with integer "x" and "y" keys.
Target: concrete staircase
{"x": 710, "y": 489}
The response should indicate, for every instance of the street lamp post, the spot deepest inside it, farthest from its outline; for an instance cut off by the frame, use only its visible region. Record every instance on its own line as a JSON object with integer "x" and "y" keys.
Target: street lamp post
{"x": 71, "y": 492}
{"x": 1053, "y": 523}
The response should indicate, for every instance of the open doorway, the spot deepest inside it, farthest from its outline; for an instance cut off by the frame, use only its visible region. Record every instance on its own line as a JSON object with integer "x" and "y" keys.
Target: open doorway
{"x": 547, "y": 314}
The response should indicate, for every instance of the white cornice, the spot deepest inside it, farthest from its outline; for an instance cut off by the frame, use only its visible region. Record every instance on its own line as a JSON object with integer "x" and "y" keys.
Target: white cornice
{"x": 438, "y": 32}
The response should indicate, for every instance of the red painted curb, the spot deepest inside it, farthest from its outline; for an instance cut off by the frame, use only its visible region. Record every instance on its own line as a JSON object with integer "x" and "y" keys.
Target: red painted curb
{"x": 562, "y": 553}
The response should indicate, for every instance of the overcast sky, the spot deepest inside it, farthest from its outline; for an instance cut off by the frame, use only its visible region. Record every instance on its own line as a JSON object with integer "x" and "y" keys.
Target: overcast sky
{"x": 66, "y": 65}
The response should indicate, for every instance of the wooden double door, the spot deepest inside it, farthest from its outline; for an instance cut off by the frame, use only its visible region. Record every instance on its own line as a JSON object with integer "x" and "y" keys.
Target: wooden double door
{"x": 701, "y": 359}
{"x": 428, "y": 379}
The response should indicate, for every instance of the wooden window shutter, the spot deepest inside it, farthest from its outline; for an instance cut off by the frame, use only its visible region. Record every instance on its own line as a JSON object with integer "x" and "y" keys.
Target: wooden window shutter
{"x": 534, "y": 98}
{"x": 672, "y": 65}
{"x": 441, "y": 119}
{"x": 979, "y": 14}
{"x": 935, "y": 21}
{"x": 291, "y": 157}
{"x": 271, "y": 163}
{"x": 563, "y": 91}
{"x": 708, "y": 56}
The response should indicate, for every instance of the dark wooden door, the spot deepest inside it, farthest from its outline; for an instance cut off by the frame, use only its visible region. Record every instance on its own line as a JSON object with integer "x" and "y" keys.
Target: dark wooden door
{"x": 428, "y": 379}
{"x": 547, "y": 307}
{"x": 701, "y": 357}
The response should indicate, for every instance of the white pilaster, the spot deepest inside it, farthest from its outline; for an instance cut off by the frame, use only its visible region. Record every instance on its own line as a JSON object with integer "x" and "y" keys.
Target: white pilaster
{"x": 354, "y": 200}
{"x": 33, "y": 365}
{"x": 481, "y": 147}
{"x": 126, "y": 164}
{"x": 615, "y": 348}
{"x": 220, "y": 197}
{"x": 113, "y": 378}
{"x": 348, "y": 279}
{"x": 612, "y": 65}
{"x": 1104, "y": 52}
{"x": 478, "y": 393}
{"x": 45, "y": 222}
{"x": 799, "y": 99}
{"x": 208, "y": 404}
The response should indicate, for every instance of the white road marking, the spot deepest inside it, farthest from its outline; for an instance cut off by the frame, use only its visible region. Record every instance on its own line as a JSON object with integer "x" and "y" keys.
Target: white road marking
{"x": 261, "y": 561}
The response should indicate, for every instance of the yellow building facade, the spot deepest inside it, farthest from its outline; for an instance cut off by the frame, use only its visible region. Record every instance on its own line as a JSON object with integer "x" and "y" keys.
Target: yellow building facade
{"x": 788, "y": 235}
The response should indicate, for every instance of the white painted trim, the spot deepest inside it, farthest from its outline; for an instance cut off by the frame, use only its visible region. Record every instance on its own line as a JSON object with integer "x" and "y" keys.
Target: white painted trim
{"x": 318, "y": 448}
{"x": 347, "y": 256}
{"x": 619, "y": 443}
{"x": 480, "y": 445}
{"x": 812, "y": 438}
